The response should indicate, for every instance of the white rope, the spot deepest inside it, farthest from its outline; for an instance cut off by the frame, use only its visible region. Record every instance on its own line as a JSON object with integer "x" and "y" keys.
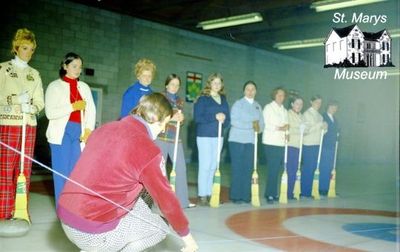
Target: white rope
{"x": 168, "y": 231}
{"x": 87, "y": 189}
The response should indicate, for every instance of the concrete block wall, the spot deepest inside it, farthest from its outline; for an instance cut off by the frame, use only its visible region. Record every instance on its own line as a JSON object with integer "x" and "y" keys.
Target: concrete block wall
{"x": 111, "y": 44}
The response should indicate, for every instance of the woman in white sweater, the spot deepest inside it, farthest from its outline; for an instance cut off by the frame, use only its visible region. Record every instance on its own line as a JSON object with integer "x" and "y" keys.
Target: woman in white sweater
{"x": 312, "y": 137}
{"x": 71, "y": 112}
{"x": 274, "y": 135}
{"x": 296, "y": 127}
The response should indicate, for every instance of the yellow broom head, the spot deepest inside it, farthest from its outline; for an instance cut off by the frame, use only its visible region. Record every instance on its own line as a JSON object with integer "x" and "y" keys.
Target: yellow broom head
{"x": 21, "y": 200}
{"x": 296, "y": 190}
{"x": 332, "y": 186}
{"x": 172, "y": 179}
{"x": 255, "y": 197}
{"x": 216, "y": 189}
{"x": 283, "y": 193}
{"x": 315, "y": 186}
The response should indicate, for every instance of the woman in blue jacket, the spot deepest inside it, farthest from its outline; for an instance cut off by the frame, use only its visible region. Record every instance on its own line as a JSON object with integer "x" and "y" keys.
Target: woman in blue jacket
{"x": 145, "y": 70}
{"x": 328, "y": 148}
{"x": 210, "y": 109}
{"x": 246, "y": 119}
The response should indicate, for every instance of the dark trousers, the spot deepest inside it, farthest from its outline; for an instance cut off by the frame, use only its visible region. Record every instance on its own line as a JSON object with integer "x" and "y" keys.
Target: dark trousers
{"x": 242, "y": 164}
{"x": 274, "y": 155}
{"x": 292, "y": 165}
{"x": 310, "y": 157}
{"x": 325, "y": 168}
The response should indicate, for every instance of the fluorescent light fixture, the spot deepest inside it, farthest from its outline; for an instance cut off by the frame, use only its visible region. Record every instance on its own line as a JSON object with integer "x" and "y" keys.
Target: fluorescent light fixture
{"x": 394, "y": 33}
{"x": 295, "y": 44}
{"x": 393, "y": 72}
{"x": 230, "y": 21}
{"x": 299, "y": 44}
{"x": 326, "y": 5}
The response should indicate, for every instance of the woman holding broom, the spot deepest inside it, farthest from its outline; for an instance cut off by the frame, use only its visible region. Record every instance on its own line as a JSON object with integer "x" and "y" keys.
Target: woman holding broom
{"x": 72, "y": 114}
{"x": 311, "y": 144}
{"x": 274, "y": 136}
{"x": 296, "y": 129}
{"x": 328, "y": 147}
{"x": 210, "y": 109}
{"x": 166, "y": 139}
{"x": 246, "y": 118}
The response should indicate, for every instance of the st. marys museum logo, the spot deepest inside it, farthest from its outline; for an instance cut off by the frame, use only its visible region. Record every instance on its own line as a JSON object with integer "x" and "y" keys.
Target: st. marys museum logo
{"x": 350, "y": 47}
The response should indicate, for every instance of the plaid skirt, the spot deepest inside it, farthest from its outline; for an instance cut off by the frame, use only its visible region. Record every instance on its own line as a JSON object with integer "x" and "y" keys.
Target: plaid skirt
{"x": 136, "y": 231}
{"x": 10, "y": 163}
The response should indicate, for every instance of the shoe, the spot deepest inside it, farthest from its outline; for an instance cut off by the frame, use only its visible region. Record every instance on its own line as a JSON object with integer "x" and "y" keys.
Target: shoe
{"x": 202, "y": 201}
{"x": 191, "y": 205}
{"x": 270, "y": 200}
{"x": 238, "y": 202}
{"x": 323, "y": 193}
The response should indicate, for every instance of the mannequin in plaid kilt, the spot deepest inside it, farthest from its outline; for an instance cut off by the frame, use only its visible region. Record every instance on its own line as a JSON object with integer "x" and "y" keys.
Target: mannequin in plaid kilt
{"x": 21, "y": 92}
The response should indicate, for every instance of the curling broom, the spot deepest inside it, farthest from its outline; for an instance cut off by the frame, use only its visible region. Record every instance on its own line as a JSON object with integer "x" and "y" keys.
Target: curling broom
{"x": 297, "y": 188}
{"x": 255, "y": 197}
{"x": 216, "y": 189}
{"x": 21, "y": 199}
{"x": 332, "y": 184}
{"x": 172, "y": 175}
{"x": 82, "y": 143}
{"x": 284, "y": 179}
{"x": 315, "y": 184}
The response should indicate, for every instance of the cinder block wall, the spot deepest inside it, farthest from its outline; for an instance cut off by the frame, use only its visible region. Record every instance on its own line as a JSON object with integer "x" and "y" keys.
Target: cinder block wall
{"x": 111, "y": 44}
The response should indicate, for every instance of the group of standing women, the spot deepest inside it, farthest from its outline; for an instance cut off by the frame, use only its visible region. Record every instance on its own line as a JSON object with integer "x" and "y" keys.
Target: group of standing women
{"x": 71, "y": 112}
{"x": 282, "y": 127}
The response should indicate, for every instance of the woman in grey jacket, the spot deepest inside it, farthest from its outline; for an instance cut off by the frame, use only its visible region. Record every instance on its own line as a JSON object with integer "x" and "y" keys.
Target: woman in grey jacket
{"x": 246, "y": 118}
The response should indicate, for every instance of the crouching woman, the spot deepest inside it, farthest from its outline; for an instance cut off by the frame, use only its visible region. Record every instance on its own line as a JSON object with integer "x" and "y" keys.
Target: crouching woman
{"x": 102, "y": 209}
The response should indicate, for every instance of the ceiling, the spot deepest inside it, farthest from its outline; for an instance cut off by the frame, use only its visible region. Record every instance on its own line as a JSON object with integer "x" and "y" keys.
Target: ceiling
{"x": 284, "y": 20}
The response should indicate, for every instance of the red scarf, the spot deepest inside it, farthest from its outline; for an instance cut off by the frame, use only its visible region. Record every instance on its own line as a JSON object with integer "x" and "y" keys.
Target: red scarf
{"x": 74, "y": 96}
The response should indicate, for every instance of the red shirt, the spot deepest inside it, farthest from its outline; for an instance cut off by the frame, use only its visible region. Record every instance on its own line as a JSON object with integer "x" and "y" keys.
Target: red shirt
{"x": 119, "y": 159}
{"x": 74, "y": 96}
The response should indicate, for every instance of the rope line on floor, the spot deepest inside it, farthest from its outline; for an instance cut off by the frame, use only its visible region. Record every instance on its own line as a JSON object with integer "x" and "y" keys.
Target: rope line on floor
{"x": 86, "y": 188}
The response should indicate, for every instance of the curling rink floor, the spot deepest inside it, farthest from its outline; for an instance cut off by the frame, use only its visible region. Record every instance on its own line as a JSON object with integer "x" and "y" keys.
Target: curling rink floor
{"x": 364, "y": 217}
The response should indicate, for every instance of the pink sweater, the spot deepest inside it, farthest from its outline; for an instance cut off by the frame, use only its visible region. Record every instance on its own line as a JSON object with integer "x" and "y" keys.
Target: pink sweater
{"x": 118, "y": 160}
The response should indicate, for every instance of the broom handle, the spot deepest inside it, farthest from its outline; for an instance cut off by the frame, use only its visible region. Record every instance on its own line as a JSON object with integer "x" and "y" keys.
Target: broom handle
{"x": 320, "y": 148}
{"x": 255, "y": 150}
{"x": 21, "y": 169}
{"x": 286, "y": 150}
{"x": 178, "y": 125}
{"x": 300, "y": 149}
{"x": 82, "y": 123}
{"x": 336, "y": 147}
{"x": 219, "y": 142}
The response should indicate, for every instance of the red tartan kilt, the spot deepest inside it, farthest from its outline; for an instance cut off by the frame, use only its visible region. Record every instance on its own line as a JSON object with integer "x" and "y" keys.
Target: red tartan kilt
{"x": 10, "y": 164}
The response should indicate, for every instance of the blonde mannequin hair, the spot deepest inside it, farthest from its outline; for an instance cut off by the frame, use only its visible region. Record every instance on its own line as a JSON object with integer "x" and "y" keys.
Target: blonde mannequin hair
{"x": 22, "y": 36}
